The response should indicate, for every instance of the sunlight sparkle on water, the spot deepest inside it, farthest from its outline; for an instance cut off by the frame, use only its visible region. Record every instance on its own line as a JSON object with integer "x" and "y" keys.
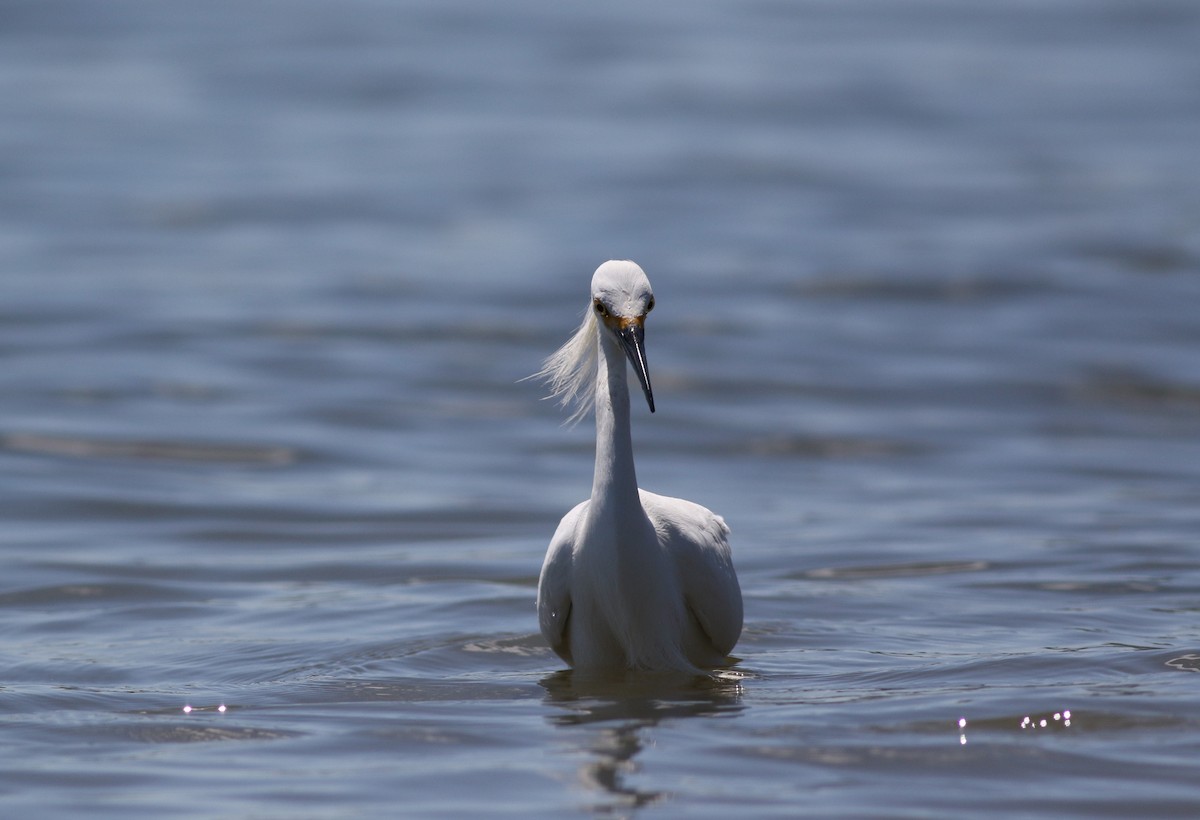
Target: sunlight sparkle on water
{"x": 1056, "y": 720}
{"x": 1062, "y": 718}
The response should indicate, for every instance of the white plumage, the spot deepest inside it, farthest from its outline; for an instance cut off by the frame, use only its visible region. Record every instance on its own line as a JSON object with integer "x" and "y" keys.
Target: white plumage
{"x": 631, "y": 580}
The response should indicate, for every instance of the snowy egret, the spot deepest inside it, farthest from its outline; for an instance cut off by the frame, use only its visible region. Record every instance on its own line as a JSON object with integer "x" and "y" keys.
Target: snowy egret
{"x": 631, "y": 580}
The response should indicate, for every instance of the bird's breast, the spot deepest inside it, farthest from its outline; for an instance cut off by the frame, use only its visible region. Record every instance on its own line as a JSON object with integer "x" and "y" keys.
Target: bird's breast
{"x": 626, "y": 584}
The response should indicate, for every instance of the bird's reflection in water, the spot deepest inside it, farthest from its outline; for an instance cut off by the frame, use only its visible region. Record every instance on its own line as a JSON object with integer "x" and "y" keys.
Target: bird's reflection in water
{"x": 618, "y": 712}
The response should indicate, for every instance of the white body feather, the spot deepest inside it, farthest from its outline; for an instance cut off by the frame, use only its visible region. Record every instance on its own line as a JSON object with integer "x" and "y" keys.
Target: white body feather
{"x": 631, "y": 580}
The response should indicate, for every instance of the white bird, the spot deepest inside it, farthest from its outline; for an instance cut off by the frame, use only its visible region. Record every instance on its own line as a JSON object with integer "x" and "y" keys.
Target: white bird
{"x": 631, "y": 580}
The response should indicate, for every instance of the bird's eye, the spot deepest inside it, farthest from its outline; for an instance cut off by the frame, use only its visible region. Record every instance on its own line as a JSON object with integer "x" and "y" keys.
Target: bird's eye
{"x": 600, "y": 308}
{"x": 650, "y": 305}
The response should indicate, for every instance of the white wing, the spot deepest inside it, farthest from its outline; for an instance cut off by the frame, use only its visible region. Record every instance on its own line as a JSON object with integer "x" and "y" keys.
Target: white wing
{"x": 698, "y": 540}
{"x": 554, "y": 586}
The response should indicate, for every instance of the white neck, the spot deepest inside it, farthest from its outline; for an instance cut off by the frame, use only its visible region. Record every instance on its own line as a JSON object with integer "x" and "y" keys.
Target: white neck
{"x": 614, "y": 487}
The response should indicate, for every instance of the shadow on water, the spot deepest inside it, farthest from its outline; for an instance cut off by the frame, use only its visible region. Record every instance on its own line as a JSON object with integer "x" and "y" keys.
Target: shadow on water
{"x": 619, "y": 710}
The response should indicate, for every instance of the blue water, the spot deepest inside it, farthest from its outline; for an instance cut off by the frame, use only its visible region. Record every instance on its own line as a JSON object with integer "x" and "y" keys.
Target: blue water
{"x": 275, "y": 500}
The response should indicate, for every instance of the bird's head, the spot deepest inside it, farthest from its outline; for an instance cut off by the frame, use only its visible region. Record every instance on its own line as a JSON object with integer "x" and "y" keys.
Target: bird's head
{"x": 621, "y": 298}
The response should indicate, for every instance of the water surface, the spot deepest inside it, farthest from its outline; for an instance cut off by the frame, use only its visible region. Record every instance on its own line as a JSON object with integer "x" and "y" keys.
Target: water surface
{"x": 275, "y": 499}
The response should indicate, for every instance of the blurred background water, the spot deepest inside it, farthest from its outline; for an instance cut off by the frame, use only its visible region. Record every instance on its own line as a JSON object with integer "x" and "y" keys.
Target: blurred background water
{"x": 275, "y": 501}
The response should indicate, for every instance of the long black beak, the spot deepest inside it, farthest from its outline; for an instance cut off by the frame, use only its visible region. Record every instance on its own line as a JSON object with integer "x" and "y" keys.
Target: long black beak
{"x": 633, "y": 340}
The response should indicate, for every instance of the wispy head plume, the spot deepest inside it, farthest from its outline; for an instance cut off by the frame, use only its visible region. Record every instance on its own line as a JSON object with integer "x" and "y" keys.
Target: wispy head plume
{"x": 571, "y": 370}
